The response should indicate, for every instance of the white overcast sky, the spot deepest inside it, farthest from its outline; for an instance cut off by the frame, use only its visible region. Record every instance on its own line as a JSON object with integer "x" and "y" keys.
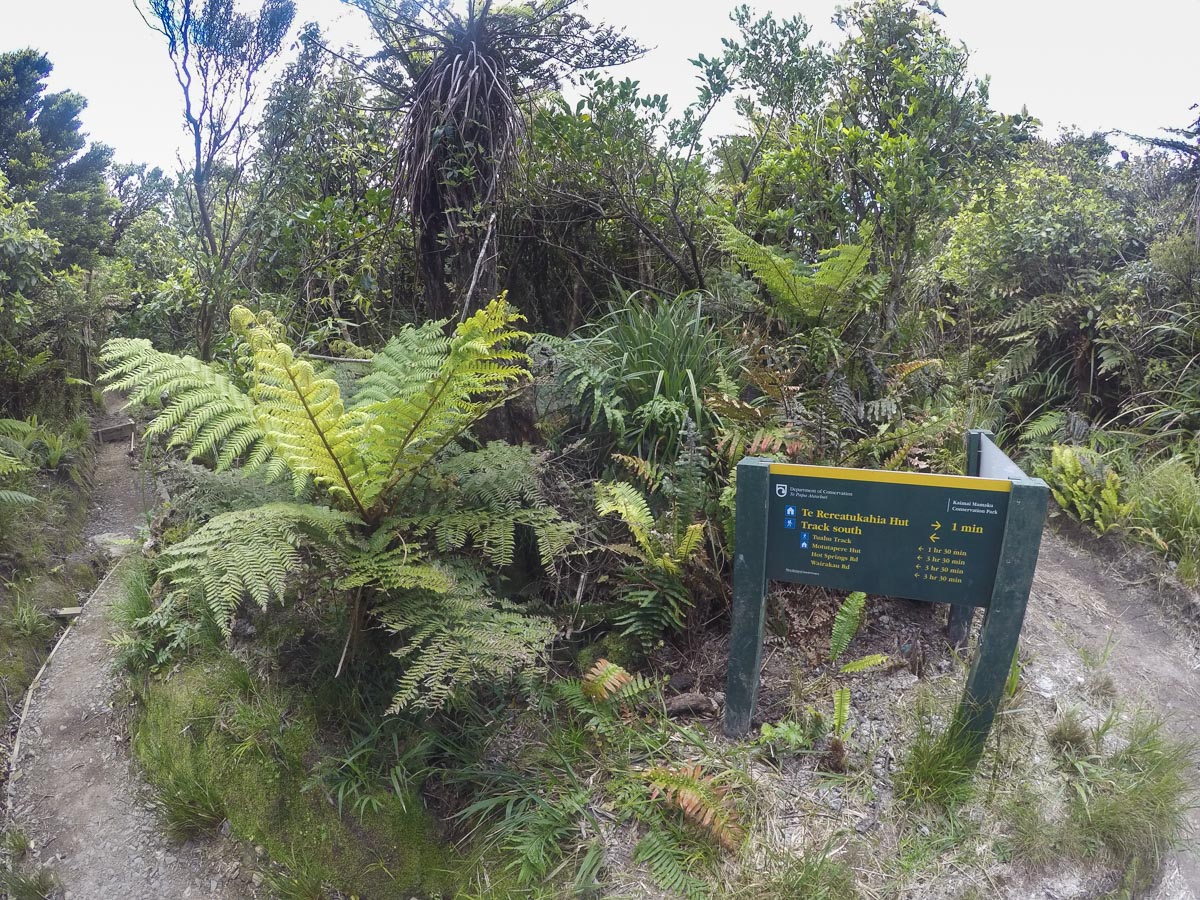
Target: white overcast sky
{"x": 1095, "y": 64}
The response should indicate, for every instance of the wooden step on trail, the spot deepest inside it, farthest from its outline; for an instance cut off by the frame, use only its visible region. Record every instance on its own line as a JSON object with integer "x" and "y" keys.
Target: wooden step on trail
{"x": 120, "y": 432}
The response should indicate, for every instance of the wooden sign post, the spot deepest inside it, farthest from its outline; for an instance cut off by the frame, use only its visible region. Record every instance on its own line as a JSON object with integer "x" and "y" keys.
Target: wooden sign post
{"x": 970, "y": 541}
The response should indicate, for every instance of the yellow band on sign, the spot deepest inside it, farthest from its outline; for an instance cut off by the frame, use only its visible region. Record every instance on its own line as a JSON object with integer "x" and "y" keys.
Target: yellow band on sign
{"x": 958, "y": 482}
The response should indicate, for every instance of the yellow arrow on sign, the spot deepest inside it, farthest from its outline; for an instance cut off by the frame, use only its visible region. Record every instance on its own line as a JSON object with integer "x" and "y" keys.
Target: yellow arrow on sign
{"x": 937, "y": 526}
{"x": 934, "y": 538}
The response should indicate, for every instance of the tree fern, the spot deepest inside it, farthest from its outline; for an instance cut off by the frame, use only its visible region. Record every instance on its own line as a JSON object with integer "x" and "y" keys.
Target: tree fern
{"x": 824, "y": 287}
{"x": 413, "y": 419}
{"x": 421, "y": 394}
{"x": 846, "y": 624}
{"x": 484, "y": 498}
{"x": 303, "y": 415}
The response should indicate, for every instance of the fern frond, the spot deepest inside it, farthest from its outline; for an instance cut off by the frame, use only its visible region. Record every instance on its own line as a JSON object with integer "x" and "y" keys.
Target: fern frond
{"x": 250, "y": 553}
{"x": 846, "y": 624}
{"x": 671, "y": 864}
{"x": 777, "y": 273}
{"x": 653, "y": 611}
{"x": 456, "y": 640}
{"x": 702, "y": 799}
{"x": 424, "y": 391}
{"x": 900, "y": 371}
{"x": 10, "y": 463}
{"x": 16, "y": 499}
{"x": 841, "y": 711}
{"x": 16, "y": 429}
{"x": 647, "y": 472}
{"x": 202, "y": 409}
{"x": 400, "y": 569}
{"x": 489, "y": 495}
{"x": 693, "y": 537}
{"x": 627, "y": 502}
{"x": 862, "y": 664}
{"x": 605, "y": 679}
{"x": 303, "y": 416}
{"x": 812, "y": 292}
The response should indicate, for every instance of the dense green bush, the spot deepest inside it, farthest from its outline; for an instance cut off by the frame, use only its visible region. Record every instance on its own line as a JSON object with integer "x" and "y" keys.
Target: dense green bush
{"x": 1166, "y": 503}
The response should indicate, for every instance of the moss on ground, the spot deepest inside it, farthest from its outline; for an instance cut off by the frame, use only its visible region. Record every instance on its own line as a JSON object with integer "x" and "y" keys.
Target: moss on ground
{"x": 615, "y": 647}
{"x": 211, "y": 728}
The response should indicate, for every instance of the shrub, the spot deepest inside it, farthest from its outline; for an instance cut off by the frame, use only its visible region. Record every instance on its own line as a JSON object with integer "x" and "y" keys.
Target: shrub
{"x": 1167, "y": 513}
{"x": 1084, "y": 486}
{"x": 644, "y": 371}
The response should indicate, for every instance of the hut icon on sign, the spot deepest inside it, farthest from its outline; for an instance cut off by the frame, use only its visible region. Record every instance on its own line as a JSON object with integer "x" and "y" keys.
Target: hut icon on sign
{"x": 781, "y": 490}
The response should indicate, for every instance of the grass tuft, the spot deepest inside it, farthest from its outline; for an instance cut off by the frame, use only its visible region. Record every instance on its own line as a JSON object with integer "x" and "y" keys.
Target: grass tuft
{"x": 135, "y": 651}
{"x": 1070, "y": 737}
{"x": 938, "y": 768}
{"x": 39, "y": 885}
{"x": 1133, "y": 804}
{"x": 22, "y": 619}
{"x": 1036, "y": 841}
{"x": 812, "y": 876}
{"x": 16, "y": 844}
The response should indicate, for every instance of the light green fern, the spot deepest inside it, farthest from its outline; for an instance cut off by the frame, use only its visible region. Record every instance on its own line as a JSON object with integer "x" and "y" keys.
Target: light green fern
{"x": 825, "y": 287}
{"x": 865, "y": 663}
{"x": 253, "y": 552}
{"x": 302, "y": 414}
{"x": 422, "y": 393}
{"x": 203, "y": 410}
{"x": 456, "y": 639}
{"x": 846, "y": 624}
{"x": 841, "y": 712}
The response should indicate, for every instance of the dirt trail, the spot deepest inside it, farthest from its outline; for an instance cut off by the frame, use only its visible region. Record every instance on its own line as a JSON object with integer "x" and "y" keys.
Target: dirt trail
{"x": 1081, "y": 605}
{"x": 74, "y": 789}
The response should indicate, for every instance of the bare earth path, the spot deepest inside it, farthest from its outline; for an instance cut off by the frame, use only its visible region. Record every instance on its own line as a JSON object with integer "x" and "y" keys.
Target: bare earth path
{"x": 75, "y": 791}
{"x": 1079, "y": 600}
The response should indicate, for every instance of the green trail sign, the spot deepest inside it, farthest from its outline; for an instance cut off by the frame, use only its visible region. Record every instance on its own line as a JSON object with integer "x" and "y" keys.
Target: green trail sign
{"x": 922, "y": 537}
{"x": 970, "y": 541}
